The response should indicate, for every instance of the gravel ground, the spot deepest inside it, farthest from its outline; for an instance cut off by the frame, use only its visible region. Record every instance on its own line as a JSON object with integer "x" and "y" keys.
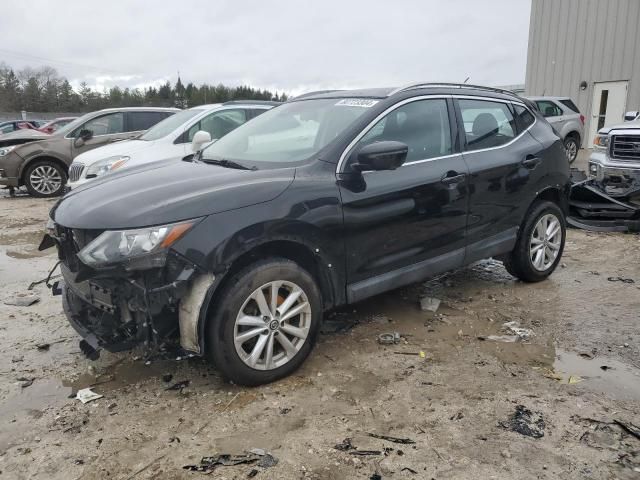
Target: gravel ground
{"x": 456, "y": 400}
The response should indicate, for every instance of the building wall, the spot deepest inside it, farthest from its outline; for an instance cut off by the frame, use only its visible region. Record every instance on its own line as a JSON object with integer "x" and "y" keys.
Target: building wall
{"x": 591, "y": 40}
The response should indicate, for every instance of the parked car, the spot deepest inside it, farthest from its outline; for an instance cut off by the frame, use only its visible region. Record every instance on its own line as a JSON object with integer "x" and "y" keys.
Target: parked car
{"x": 566, "y": 118}
{"x": 53, "y": 125}
{"x": 13, "y": 125}
{"x": 242, "y": 249}
{"x": 615, "y": 159}
{"x": 42, "y": 165}
{"x": 174, "y": 137}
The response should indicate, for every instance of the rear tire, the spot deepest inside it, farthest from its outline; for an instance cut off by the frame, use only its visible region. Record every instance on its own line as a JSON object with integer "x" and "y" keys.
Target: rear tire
{"x": 252, "y": 341}
{"x": 572, "y": 147}
{"x": 45, "y": 179}
{"x": 540, "y": 243}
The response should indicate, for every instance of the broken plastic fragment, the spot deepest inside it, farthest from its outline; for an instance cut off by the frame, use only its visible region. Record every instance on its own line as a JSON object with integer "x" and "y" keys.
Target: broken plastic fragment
{"x": 429, "y": 304}
{"x": 86, "y": 395}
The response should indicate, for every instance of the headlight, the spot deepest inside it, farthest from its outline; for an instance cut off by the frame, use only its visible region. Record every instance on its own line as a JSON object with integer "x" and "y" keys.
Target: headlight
{"x": 139, "y": 249}
{"x": 601, "y": 141}
{"x": 106, "y": 166}
{"x": 5, "y": 151}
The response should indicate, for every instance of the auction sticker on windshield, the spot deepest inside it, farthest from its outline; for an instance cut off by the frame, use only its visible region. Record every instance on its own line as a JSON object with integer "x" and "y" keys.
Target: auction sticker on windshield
{"x": 357, "y": 102}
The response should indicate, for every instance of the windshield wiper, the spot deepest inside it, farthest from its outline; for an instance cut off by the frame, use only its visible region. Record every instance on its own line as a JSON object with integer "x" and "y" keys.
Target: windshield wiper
{"x": 226, "y": 163}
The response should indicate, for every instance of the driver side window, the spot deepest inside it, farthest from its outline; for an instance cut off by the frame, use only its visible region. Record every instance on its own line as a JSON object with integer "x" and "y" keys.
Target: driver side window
{"x": 218, "y": 124}
{"x": 104, "y": 125}
{"x": 422, "y": 125}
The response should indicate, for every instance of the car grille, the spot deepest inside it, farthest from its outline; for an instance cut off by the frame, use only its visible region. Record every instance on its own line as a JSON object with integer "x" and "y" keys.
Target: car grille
{"x": 626, "y": 147}
{"x": 75, "y": 171}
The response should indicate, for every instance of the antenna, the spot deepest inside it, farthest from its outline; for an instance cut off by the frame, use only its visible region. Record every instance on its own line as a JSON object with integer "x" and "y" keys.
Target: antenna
{"x": 466, "y": 80}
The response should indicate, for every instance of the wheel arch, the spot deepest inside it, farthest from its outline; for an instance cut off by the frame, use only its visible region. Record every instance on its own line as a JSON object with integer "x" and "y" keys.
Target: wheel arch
{"x": 295, "y": 250}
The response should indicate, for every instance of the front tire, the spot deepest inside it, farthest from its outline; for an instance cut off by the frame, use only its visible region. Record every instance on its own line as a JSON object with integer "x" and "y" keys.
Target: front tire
{"x": 265, "y": 322}
{"x": 45, "y": 179}
{"x": 540, "y": 243}
{"x": 571, "y": 146}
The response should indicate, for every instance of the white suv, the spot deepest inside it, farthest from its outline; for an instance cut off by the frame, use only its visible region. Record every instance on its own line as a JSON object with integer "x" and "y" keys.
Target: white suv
{"x": 175, "y": 137}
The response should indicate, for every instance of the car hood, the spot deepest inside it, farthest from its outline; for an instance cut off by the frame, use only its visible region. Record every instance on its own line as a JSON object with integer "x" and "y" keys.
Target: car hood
{"x": 166, "y": 192}
{"x": 621, "y": 126}
{"x": 24, "y": 134}
{"x": 126, "y": 147}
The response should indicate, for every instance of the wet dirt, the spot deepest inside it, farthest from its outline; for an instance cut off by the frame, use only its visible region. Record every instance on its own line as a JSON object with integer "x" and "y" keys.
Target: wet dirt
{"x": 451, "y": 402}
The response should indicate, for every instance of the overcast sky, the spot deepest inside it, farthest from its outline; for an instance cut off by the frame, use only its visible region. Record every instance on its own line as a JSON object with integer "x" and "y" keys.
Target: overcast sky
{"x": 291, "y": 46}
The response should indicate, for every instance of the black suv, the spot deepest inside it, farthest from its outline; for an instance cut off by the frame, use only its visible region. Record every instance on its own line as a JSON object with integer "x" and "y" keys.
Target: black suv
{"x": 328, "y": 199}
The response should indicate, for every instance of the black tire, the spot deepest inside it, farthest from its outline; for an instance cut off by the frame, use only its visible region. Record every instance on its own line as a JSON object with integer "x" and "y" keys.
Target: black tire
{"x": 45, "y": 190}
{"x": 519, "y": 263}
{"x": 221, "y": 348}
{"x": 571, "y": 145}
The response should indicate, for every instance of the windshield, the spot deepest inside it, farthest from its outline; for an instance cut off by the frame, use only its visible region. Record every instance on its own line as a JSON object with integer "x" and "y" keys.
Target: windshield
{"x": 289, "y": 133}
{"x": 69, "y": 127}
{"x": 168, "y": 125}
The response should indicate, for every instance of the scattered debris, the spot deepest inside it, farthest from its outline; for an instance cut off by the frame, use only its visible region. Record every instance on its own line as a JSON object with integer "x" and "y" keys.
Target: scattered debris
{"x": 389, "y": 338}
{"x": 429, "y": 304}
{"x": 22, "y": 300}
{"x": 573, "y": 379}
{"x": 457, "y": 416}
{"x": 284, "y": 411}
{"x": 208, "y": 464}
{"x": 500, "y": 338}
{"x": 410, "y": 470}
{"x": 522, "y": 333}
{"x": 17, "y": 358}
{"x": 253, "y": 473}
{"x": 174, "y": 439}
{"x": 629, "y": 428}
{"x": 179, "y": 385}
{"x": 375, "y": 476}
{"x": 25, "y": 382}
{"x": 345, "y": 445}
{"x": 525, "y": 422}
{"x": 365, "y": 453}
{"x": 621, "y": 279}
{"x": 43, "y": 346}
{"x": 420, "y": 354}
{"x": 86, "y": 395}
{"x": 167, "y": 377}
{"x": 406, "y": 441}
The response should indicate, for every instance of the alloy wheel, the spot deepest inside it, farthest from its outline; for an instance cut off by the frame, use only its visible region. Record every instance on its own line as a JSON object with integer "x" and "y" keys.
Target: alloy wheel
{"x": 545, "y": 242}
{"x": 571, "y": 148}
{"x": 45, "y": 179}
{"x": 272, "y": 325}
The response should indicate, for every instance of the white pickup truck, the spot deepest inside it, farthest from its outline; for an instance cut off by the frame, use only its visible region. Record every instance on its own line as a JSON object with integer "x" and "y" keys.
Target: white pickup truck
{"x": 615, "y": 160}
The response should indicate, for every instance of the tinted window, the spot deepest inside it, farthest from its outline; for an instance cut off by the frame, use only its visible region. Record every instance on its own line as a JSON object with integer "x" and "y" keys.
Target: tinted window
{"x": 144, "y": 120}
{"x": 422, "y": 125}
{"x": 548, "y": 108}
{"x": 524, "y": 118}
{"x": 168, "y": 125}
{"x": 487, "y": 124}
{"x": 254, "y": 112}
{"x": 106, "y": 124}
{"x": 570, "y": 105}
{"x": 218, "y": 124}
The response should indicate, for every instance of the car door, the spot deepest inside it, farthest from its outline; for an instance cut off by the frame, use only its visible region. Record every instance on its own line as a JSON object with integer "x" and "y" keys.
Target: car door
{"x": 503, "y": 161}
{"x": 406, "y": 224}
{"x": 104, "y": 129}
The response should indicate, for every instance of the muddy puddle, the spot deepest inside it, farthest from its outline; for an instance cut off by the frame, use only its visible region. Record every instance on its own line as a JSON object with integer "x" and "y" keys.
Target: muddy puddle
{"x": 604, "y": 375}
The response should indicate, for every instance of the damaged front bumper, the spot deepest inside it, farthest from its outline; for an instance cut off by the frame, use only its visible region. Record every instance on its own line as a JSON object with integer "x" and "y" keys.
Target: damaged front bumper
{"x": 115, "y": 309}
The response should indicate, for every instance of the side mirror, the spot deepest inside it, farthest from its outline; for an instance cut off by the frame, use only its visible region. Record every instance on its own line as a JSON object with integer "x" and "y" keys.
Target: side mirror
{"x": 86, "y": 134}
{"x": 631, "y": 116}
{"x": 199, "y": 139}
{"x": 387, "y": 155}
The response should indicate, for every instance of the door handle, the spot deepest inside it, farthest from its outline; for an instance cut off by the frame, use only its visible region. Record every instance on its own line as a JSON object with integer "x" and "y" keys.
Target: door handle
{"x": 531, "y": 162}
{"x": 451, "y": 178}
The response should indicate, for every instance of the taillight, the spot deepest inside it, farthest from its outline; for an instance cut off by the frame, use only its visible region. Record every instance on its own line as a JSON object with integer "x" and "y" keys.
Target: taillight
{"x": 582, "y": 119}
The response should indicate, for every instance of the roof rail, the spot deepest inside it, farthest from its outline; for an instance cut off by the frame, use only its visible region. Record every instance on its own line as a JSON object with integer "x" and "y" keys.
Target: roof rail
{"x": 254, "y": 102}
{"x": 448, "y": 85}
{"x": 317, "y": 92}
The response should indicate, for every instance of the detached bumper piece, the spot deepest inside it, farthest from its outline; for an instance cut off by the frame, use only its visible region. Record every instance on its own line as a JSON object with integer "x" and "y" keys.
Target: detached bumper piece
{"x": 592, "y": 208}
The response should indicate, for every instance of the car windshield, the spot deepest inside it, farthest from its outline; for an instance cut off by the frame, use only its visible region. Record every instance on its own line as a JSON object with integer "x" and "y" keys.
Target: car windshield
{"x": 169, "y": 124}
{"x": 289, "y": 133}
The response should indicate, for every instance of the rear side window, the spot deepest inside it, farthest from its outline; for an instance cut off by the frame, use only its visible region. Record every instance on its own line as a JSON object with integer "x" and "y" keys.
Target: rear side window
{"x": 548, "y": 108}
{"x": 570, "y": 105}
{"x": 524, "y": 118}
{"x": 254, "y": 112}
{"x": 144, "y": 120}
{"x": 487, "y": 124}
